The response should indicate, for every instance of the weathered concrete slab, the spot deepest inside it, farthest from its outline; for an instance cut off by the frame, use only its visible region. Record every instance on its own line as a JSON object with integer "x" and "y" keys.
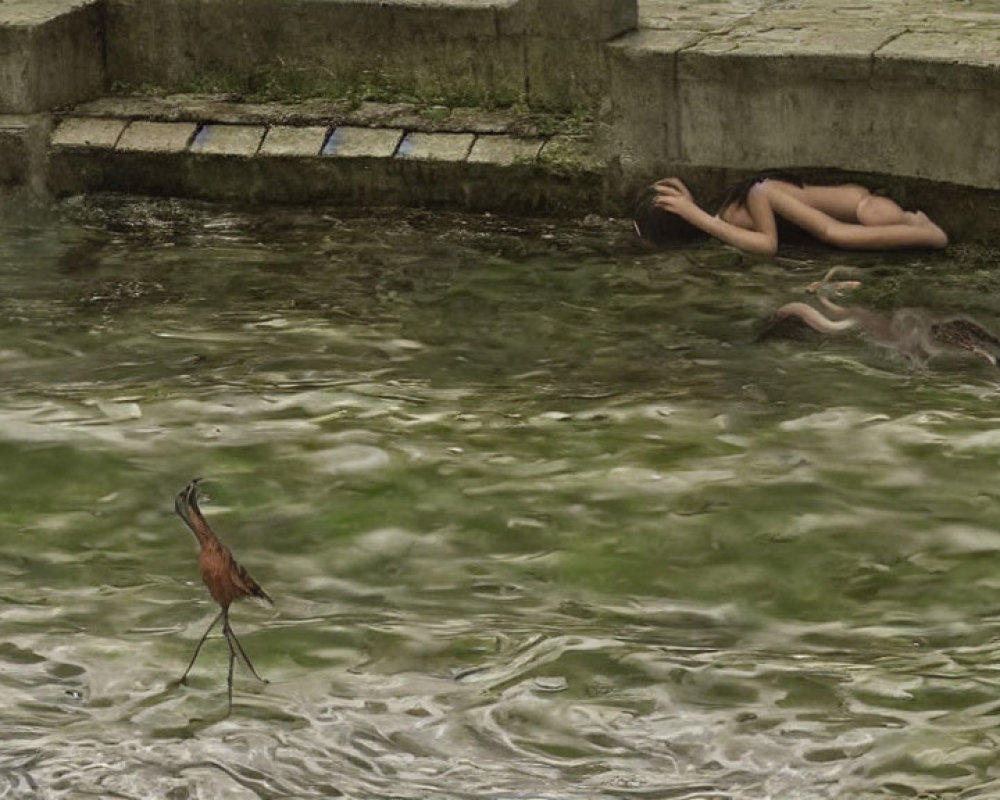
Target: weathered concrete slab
{"x": 714, "y": 17}
{"x": 51, "y": 53}
{"x": 580, "y": 20}
{"x": 501, "y": 173}
{"x": 419, "y": 146}
{"x": 563, "y": 49}
{"x": 518, "y": 188}
{"x": 157, "y": 137}
{"x": 228, "y": 140}
{"x": 504, "y": 150}
{"x": 348, "y": 141}
{"x": 88, "y": 132}
{"x": 479, "y": 52}
{"x": 973, "y": 48}
{"x": 454, "y": 49}
{"x": 642, "y": 89}
{"x": 294, "y": 140}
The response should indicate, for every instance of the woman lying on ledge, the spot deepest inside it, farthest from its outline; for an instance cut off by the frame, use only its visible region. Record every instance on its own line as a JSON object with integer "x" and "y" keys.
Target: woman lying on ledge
{"x": 845, "y": 215}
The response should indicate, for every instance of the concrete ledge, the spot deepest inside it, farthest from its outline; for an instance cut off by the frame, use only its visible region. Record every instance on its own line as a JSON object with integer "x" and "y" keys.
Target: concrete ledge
{"x": 904, "y": 95}
{"x": 223, "y": 108}
{"x": 907, "y": 89}
{"x": 484, "y": 169}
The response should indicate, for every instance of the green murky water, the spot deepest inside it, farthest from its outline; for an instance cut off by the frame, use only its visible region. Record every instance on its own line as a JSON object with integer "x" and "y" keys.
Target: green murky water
{"x": 541, "y": 520}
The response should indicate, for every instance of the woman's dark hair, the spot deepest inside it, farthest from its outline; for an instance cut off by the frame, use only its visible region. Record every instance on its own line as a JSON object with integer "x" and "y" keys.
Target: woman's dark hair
{"x": 660, "y": 227}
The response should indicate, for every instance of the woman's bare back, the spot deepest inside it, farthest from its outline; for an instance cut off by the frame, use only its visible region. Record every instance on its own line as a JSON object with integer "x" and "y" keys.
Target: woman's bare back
{"x": 840, "y": 202}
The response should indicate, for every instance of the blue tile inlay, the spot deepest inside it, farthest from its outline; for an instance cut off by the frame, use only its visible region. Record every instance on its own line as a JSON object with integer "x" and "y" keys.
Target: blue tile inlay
{"x": 406, "y": 146}
{"x": 333, "y": 142}
{"x": 200, "y": 138}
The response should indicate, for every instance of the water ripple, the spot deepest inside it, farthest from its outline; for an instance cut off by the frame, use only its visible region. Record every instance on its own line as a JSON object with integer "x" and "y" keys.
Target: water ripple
{"x": 539, "y": 518}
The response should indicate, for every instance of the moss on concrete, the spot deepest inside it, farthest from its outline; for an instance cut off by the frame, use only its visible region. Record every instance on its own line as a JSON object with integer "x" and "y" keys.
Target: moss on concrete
{"x": 288, "y": 85}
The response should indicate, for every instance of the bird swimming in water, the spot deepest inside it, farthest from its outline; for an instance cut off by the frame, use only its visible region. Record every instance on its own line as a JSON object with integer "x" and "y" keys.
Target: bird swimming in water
{"x": 225, "y": 578}
{"x": 913, "y": 332}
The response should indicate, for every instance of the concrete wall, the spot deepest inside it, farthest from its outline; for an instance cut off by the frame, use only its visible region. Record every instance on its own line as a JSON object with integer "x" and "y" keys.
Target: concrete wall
{"x": 51, "y": 53}
{"x": 680, "y": 100}
{"x": 545, "y": 53}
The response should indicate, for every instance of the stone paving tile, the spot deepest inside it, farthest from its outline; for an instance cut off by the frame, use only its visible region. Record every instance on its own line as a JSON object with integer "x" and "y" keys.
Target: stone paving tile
{"x": 750, "y": 40}
{"x": 294, "y": 140}
{"x": 504, "y": 150}
{"x": 979, "y": 48}
{"x": 677, "y": 15}
{"x": 352, "y": 142}
{"x": 157, "y": 137}
{"x": 654, "y": 40}
{"x": 228, "y": 140}
{"x": 812, "y": 27}
{"x": 88, "y": 132}
{"x": 436, "y": 146}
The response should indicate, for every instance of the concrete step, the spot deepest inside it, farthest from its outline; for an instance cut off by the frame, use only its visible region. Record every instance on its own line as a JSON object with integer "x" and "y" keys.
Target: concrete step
{"x": 370, "y": 154}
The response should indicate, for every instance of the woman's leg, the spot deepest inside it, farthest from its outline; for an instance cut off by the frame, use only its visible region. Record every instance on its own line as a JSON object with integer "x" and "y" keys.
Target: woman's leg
{"x": 875, "y": 209}
{"x": 921, "y": 232}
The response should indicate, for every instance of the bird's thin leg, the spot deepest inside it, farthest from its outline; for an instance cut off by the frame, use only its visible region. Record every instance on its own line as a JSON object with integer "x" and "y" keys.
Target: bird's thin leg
{"x": 232, "y": 659}
{"x": 243, "y": 654}
{"x": 198, "y": 648}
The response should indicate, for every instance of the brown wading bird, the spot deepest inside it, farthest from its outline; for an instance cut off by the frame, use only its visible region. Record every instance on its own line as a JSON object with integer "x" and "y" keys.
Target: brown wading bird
{"x": 225, "y": 578}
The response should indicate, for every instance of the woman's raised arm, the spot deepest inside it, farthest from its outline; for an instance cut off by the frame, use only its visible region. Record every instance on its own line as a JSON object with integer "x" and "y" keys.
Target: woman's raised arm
{"x": 762, "y": 240}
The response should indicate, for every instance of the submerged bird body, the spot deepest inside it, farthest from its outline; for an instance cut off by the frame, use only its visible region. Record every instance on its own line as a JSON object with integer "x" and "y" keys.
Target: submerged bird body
{"x": 910, "y": 331}
{"x": 226, "y": 579}
{"x": 966, "y": 334}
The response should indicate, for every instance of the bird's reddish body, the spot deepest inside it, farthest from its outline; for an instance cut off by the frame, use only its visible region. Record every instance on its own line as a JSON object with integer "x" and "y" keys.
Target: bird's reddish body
{"x": 224, "y": 576}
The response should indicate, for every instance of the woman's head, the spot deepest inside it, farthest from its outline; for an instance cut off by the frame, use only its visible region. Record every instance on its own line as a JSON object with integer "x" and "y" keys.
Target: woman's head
{"x": 657, "y": 226}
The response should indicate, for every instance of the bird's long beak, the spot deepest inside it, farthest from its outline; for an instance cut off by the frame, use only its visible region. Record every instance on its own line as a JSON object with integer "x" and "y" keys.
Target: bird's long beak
{"x": 186, "y": 506}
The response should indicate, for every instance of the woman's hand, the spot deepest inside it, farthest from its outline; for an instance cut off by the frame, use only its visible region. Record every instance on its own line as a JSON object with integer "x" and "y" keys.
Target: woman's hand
{"x": 675, "y": 185}
{"x": 673, "y": 196}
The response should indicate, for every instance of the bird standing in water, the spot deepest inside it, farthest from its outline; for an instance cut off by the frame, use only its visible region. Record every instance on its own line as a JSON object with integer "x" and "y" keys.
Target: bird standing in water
{"x": 225, "y": 578}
